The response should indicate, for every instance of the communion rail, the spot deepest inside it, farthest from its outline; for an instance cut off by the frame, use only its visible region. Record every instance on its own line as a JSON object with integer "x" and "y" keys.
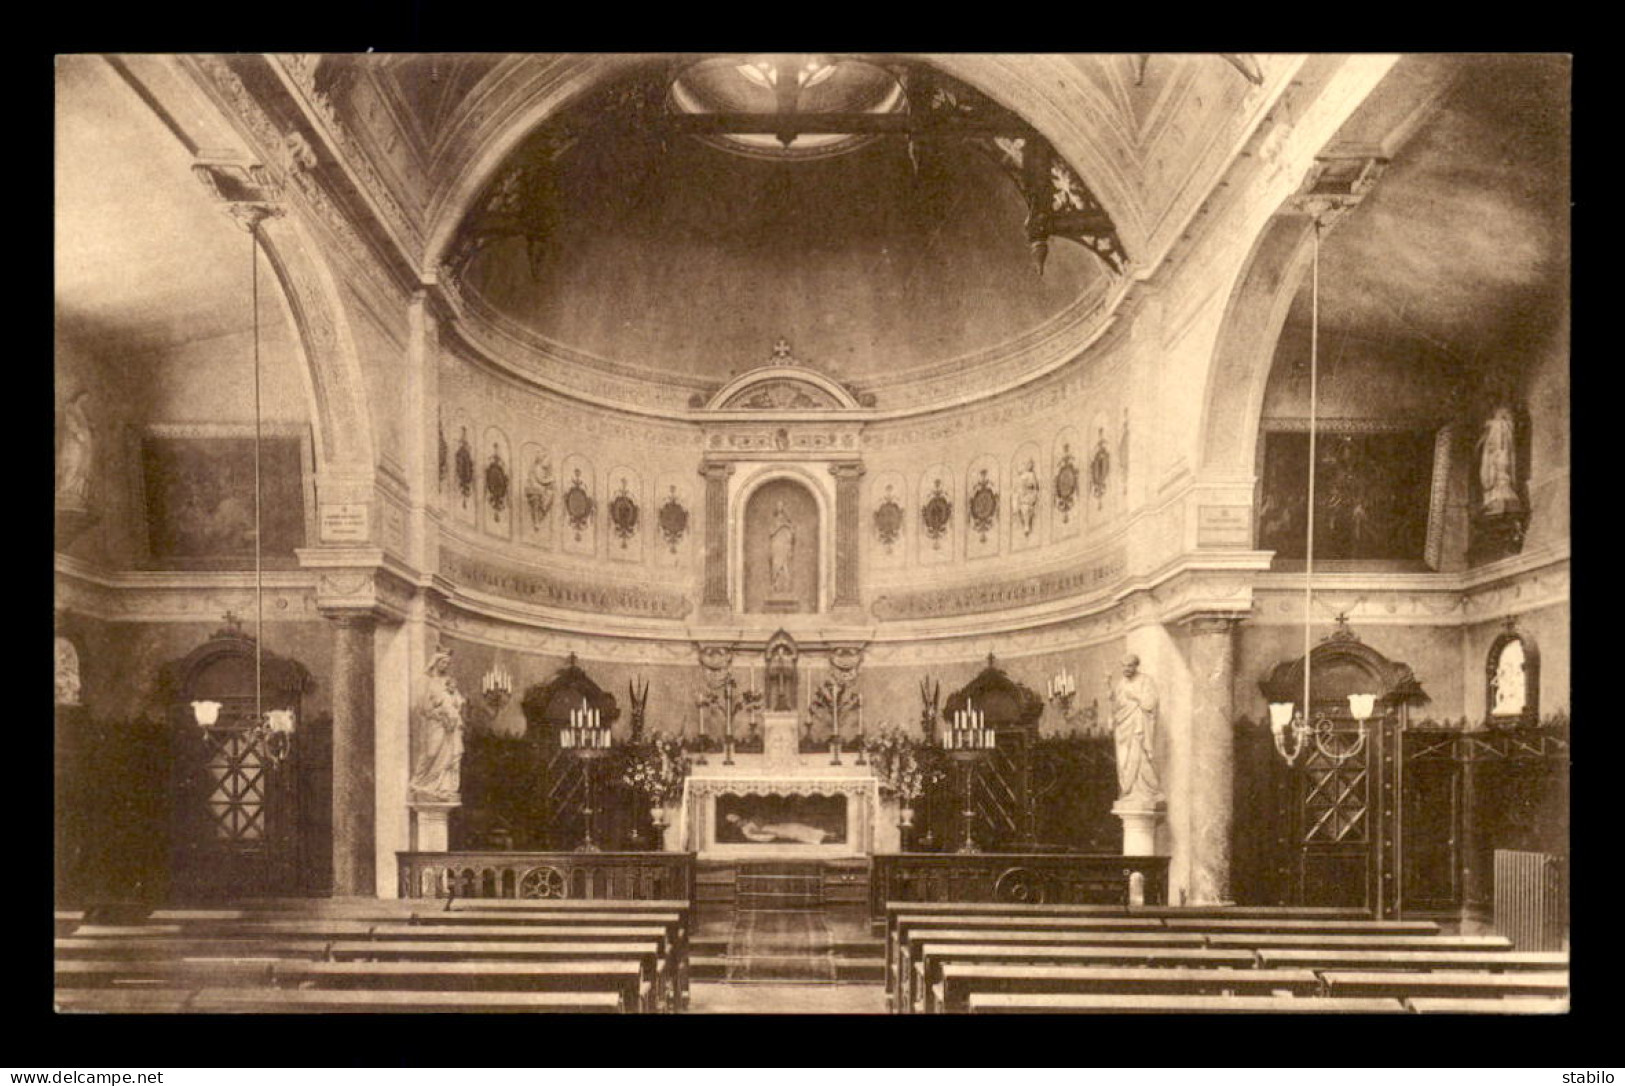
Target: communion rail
{"x": 1036, "y": 878}
{"x": 625, "y": 876}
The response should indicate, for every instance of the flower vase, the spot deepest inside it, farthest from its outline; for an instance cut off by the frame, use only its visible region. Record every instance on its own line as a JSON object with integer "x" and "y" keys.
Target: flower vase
{"x": 657, "y": 815}
{"x": 905, "y": 817}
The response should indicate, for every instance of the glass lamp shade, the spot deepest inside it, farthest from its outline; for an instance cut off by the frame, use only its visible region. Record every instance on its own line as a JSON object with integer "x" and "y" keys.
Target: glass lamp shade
{"x": 206, "y": 713}
{"x": 1280, "y": 715}
{"x": 280, "y": 720}
{"x": 1361, "y": 705}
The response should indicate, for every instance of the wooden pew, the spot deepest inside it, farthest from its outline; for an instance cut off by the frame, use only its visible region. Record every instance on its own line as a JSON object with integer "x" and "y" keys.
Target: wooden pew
{"x": 917, "y": 992}
{"x": 146, "y": 948}
{"x": 912, "y": 931}
{"x": 645, "y": 955}
{"x": 1065, "y": 1003}
{"x": 1510, "y": 1005}
{"x": 66, "y": 920}
{"x": 164, "y": 972}
{"x": 1482, "y": 960}
{"x": 1286, "y": 926}
{"x": 1272, "y": 941}
{"x": 900, "y": 924}
{"x": 1451, "y": 983}
{"x": 123, "y": 1000}
{"x": 950, "y": 983}
{"x": 354, "y": 1001}
{"x": 628, "y": 978}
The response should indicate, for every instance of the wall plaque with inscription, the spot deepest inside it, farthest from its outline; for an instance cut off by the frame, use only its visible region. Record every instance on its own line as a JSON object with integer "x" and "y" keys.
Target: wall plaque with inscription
{"x": 345, "y": 522}
{"x": 1224, "y": 526}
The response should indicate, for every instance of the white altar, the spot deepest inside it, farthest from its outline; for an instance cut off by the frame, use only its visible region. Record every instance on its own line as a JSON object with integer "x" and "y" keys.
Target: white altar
{"x": 751, "y": 809}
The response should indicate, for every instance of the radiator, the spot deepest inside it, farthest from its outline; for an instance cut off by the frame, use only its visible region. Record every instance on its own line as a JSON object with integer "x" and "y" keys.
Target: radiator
{"x": 1531, "y": 902}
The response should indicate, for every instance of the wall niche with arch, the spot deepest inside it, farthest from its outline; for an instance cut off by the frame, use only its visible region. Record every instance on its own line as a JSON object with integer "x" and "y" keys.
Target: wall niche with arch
{"x": 781, "y": 528}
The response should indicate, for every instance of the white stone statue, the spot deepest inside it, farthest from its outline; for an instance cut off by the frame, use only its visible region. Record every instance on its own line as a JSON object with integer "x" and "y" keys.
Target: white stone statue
{"x": 78, "y": 453}
{"x": 1134, "y": 726}
{"x": 67, "y": 672}
{"x": 1509, "y": 689}
{"x": 438, "y": 775}
{"x": 1027, "y": 494}
{"x": 781, "y": 551}
{"x": 1498, "y": 464}
{"x": 799, "y": 832}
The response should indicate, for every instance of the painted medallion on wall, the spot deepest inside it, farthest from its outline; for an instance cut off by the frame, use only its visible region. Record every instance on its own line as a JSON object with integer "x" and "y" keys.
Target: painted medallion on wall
{"x": 936, "y": 514}
{"x": 1066, "y": 483}
{"x": 673, "y": 520}
{"x": 496, "y": 484}
{"x": 465, "y": 467}
{"x": 888, "y": 520}
{"x": 983, "y": 506}
{"x": 539, "y": 490}
{"x": 623, "y": 514}
{"x": 578, "y": 504}
{"x": 1100, "y": 469}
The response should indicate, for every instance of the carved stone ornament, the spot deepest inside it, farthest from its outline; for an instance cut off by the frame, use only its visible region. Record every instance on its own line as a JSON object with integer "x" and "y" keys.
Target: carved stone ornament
{"x": 1066, "y": 482}
{"x": 937, "y": 514}
{"x": 623, "y": 514}
{"x": 673, "y": 520}
{"x": 496, "y": 484}
{"x": 888, "y": 519}
{"x": 443, "y": 454}
{"x": 1100, "y": 469}
{"x": 465, "y": 467}
{"x": 578, "y": 504}
{"x": 983, "y": 507}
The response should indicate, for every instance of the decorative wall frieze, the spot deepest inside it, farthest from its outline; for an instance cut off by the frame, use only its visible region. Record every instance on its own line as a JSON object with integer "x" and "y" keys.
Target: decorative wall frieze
{"x": 1091, "y": 579}
{"x": 787, "y": 441}
{"x": 535, "y": 586}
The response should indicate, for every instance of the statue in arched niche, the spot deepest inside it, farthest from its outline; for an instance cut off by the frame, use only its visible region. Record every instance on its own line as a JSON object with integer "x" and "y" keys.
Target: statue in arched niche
{"x": 1498, "y": 464}
{"x": 781, "y": 551}
{"x": 77, "y": 454}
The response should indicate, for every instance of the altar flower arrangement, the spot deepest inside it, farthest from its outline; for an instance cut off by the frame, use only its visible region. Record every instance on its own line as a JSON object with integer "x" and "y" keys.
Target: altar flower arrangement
{"x": 905, "y": 764}
{"x": 656, "y": 769}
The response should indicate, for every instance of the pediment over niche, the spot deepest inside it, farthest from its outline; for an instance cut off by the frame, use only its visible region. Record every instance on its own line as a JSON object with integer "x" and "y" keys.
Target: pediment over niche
{"x": 783, "y": 383}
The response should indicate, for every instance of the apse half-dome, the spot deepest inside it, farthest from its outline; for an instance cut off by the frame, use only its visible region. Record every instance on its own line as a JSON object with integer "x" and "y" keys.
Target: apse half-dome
{"x": 620, "y": 237}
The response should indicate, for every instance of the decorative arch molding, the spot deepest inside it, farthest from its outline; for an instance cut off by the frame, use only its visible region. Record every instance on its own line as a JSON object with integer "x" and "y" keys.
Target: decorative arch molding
{"x": 1340, "y": 654}
{"x": 1254, "y": 316}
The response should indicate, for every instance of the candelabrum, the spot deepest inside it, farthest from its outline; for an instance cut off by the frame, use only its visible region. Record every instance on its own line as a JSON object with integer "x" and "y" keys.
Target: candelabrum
{"x": 969, "y": 741}
{"x": 589, "y": 739}
{"x": 832, "y": 698}
{"x": 497, "y": 686}
{"x": 730, "y": 701}
{"x": 1292, "y": 733}
{"x": 1063, "y": 688}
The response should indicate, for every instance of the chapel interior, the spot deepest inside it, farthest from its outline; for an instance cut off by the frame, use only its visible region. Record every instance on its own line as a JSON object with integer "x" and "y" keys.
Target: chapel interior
{"x": 812, "y": 532}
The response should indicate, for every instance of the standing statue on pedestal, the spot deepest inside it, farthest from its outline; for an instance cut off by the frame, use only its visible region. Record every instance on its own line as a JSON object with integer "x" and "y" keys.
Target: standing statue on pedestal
{"x": 781, "y": 551}
{"x": 1027, "y": 494}
{"x": 1498, "y": 464}
{"x": 439, "y": 771}
{"x": 1134, "y": 722}
{"x": 78, "y": 452}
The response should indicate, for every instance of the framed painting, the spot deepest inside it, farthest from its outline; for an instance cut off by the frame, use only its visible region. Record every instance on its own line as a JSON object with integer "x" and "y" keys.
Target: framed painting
{"x": 195, "y": 499}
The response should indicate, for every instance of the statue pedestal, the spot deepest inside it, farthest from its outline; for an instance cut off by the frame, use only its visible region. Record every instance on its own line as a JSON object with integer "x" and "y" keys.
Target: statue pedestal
{"x": 430, "y": 825}
{"x": 1139, "y": 825}
{"x": 781, "y": 740}
{"x": 781, "y": 605}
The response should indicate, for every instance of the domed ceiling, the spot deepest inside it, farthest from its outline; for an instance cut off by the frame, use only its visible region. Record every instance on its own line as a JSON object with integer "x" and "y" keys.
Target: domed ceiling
{"x": 688, "y": 254}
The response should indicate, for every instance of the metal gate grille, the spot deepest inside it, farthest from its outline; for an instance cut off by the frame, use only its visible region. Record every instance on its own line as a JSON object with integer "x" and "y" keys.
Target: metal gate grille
{"x": 1530, "y": 905}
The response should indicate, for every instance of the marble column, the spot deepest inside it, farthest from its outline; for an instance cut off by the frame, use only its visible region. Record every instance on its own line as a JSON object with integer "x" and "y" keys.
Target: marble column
{"x": 354, "y": 818}
{"x": 1212, "y": 757}
{"x": 848, "y": 591}
{"x": 715, "y": 589}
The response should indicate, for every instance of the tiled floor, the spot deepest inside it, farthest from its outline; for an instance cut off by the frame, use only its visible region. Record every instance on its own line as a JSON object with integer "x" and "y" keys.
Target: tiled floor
{"x": 787, "y": 999}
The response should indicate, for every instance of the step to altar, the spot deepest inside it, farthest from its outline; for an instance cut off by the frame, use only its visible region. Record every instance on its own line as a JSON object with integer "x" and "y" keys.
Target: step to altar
{"x": 840, "y": 888}
{"x": 772, "y": 922}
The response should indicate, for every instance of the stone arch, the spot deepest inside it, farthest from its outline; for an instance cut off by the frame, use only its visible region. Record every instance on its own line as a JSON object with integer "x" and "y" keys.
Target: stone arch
{"x": 342, "y": 423}
{"x": 1245, "y": 347}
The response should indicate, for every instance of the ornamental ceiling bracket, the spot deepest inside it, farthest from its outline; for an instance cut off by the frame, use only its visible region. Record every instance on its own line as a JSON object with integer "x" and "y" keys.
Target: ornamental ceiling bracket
{"x": 1335, "y": 186}
{"x": 1060, "y": 205}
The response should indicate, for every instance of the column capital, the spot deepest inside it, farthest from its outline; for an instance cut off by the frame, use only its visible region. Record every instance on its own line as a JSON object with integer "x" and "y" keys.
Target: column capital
{"x": 354, "y": 582}
{"x": 716, "y": 469}
{"x": 846, "y": 470}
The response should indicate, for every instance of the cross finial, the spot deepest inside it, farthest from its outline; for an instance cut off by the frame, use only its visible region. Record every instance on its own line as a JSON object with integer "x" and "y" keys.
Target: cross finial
{"x": 232, "y": 621}
{"x": 572, "y": 660}
{"x": 990, "y": 662}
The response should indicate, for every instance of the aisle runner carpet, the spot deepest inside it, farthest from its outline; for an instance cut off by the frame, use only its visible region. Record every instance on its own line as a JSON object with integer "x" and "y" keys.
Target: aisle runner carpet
{"x": 780, "y": 933}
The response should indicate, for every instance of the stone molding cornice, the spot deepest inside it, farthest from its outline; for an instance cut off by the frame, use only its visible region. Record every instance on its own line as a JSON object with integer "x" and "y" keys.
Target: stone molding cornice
{"x": 180, "y": 596}
{"x": 353, "y": 580}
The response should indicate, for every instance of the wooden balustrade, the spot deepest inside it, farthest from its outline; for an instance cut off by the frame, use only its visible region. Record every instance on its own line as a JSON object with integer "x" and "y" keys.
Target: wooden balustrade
{"x": 625, "y": 876}
{"x": 1035, "y": 878}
